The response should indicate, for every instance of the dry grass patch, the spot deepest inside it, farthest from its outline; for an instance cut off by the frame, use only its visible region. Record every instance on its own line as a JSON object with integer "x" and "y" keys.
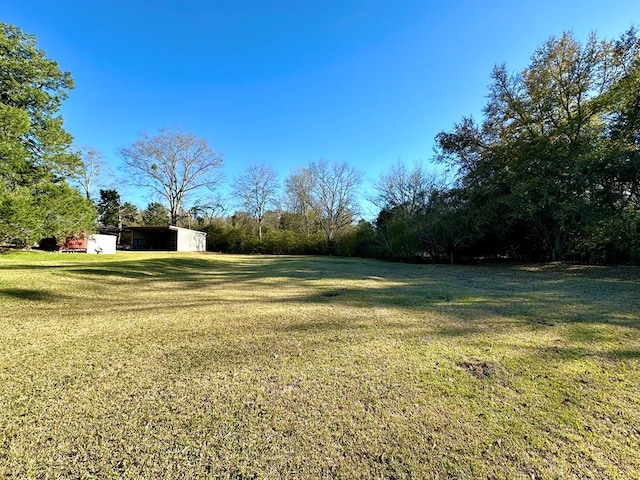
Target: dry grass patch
{"x": 208, "y": 366}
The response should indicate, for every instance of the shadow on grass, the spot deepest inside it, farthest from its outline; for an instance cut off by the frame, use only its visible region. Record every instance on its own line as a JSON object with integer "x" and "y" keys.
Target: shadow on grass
{"x": 473, "y": 296}
{"x": 28, "y": 294}
{"x": 625, "y": 354}
{"x": 191, "y": 272}
{"x": 584, "y": 351}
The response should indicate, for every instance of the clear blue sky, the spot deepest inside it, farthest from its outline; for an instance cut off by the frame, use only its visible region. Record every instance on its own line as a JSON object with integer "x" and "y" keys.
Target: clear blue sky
{"x": 289, "y": 82}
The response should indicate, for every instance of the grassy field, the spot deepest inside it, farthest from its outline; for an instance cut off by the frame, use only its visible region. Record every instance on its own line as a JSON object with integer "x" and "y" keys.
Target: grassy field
{"x": 207, "y": 366}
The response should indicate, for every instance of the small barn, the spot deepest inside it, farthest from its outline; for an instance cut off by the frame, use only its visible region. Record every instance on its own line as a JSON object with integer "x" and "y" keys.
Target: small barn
{"x": 169, "y": 238}
{"x": 94, "y": 243}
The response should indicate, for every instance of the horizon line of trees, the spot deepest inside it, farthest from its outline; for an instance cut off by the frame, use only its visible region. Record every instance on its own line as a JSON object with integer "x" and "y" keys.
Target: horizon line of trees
{"x": 550, "y": 172}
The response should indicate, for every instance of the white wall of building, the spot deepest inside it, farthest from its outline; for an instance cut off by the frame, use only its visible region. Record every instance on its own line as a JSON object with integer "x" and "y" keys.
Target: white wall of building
{"x": 191, "y": 240}
{"x": 98, "y": 243}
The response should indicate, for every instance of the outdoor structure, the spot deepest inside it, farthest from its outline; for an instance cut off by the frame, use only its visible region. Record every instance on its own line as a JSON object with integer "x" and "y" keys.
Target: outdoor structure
{"x": 167, "y": 238}
{"x": 99, "y": 243}
{"x": 73, "y": 244}
{"x": 94, "y": 243}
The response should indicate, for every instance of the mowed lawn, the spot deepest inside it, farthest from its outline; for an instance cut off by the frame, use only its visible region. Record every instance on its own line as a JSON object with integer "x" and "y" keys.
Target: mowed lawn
{"x": 179, "y": 366}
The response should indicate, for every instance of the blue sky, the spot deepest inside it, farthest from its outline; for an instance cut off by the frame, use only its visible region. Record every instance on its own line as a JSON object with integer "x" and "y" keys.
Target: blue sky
{"x": 290, "y": 82}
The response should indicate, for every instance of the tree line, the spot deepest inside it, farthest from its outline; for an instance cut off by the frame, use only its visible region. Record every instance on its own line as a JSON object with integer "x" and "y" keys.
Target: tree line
{"x": 310, "y": 213}
{"x": 550, "y": 172}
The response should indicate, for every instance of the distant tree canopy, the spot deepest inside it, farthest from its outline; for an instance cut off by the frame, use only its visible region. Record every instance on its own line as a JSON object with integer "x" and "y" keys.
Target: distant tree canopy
{"x": 109, "y": 207}
{"x": 35, "y": 155}
{"x": 408, "y": 199}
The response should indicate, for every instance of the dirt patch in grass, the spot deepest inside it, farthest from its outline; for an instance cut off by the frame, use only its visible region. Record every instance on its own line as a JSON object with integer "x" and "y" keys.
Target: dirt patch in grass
{"x": 480, "y": 370}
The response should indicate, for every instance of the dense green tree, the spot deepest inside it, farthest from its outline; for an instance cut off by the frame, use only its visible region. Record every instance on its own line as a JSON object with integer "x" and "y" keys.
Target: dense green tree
{"x": 35, "y": 155}
{"x": 130, "y": 214}
{"x": 155, "y": 214}
{"x": 537, "y": 171}
{"x": 29, "y": 214}
{"x": 615, "y": 234}
{"x": 361, "y": 242}
{"x": 113, "y": 212}
{"x": 109, "y": 208}
{"x": 33, "y": 87}
{"x": 398, "y": 233}
{"x": 13, "y": 151}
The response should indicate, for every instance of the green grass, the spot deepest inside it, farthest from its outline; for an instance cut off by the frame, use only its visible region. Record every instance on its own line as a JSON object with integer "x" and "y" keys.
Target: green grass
{"x": 209, "y": 366}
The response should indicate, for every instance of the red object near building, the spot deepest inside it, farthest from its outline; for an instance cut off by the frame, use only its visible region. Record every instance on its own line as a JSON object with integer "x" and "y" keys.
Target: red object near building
{"x": 74, "y": 244}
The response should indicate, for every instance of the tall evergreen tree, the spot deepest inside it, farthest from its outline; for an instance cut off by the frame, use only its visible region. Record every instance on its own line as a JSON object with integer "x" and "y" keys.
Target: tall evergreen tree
{"x": 35, "y": 156}
{"x": 155, "y": 214}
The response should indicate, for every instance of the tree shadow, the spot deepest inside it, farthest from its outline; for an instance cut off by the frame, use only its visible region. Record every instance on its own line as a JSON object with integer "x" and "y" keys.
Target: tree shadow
{"x": 472, "y": 300}
{"x": 29, "y": 294}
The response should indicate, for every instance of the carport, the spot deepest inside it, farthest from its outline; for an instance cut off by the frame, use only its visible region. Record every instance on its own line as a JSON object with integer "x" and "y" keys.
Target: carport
{"x": 168, "y": 238}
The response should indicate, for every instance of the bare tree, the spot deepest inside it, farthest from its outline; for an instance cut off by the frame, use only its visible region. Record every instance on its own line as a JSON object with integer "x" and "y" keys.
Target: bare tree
{"x": 205, "y": 211}
{"x": 257, "y": 188}
{"x": 401, "y": 187}
{"x": 332, "y": 196}
{"x": 410, "y": 201}
{"x": 91, "y": 170}
{"x": 298, "y": 188}
{"x": 173, "y": 164}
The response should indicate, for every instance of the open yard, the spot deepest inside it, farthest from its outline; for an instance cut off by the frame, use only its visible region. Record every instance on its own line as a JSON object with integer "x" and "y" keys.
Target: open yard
{"x": 208, "y": 366}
